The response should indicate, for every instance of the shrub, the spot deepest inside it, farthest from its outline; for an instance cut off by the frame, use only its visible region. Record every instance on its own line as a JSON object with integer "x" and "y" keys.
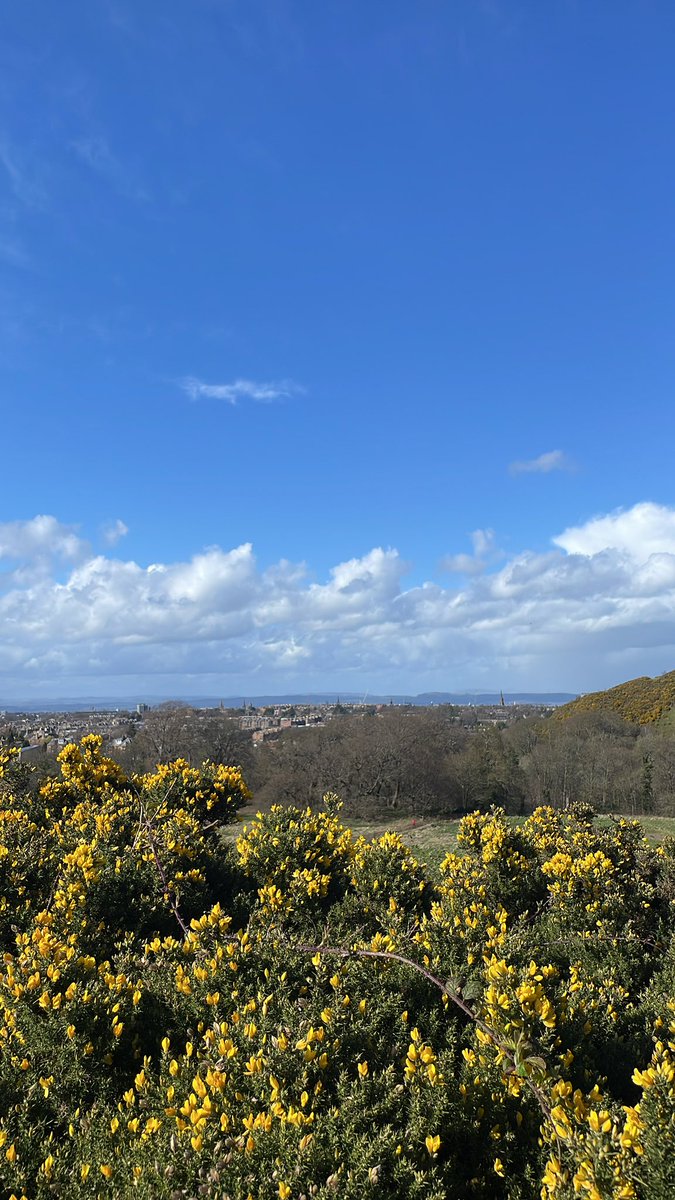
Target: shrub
{"x": 358, "y": 1029}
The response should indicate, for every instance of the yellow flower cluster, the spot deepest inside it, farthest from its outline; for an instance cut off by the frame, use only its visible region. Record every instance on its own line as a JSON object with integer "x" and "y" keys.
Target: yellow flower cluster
{"x": 353, "y": 1029}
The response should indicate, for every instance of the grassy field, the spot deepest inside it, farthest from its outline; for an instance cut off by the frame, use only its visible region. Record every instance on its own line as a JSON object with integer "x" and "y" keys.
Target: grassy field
{"x": 431, "y": 838}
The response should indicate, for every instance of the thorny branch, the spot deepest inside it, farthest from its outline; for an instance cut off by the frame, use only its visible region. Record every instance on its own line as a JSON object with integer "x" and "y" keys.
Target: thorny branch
{"x": 453, "y": 996}
{"x": 145, "y": 822}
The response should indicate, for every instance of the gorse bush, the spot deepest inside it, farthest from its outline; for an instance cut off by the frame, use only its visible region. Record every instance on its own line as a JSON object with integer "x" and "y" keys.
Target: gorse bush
{"x": 306, "y": 1014}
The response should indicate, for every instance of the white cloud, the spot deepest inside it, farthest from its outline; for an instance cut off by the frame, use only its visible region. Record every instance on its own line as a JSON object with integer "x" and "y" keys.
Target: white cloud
{"x": 113, "y": 531}
{"x": 462, "y": 564}
{"x": 483, "y": 542}
{"x": 639, "y": 532}
{"x": 553, "y": 460}
{"x": 40, "y": 537}
{"x": 485, "y": 551}
{"x": 599, "y": 606}
{"x": 240, "y": 389}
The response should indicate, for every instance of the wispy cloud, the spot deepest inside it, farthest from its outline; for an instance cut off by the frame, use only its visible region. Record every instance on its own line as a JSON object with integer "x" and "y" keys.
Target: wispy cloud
{"x": 23, "y": 183}
{"x": 96, "y": 154}
{"x": 240, "y": 389}
{"x": 553, "y": 460}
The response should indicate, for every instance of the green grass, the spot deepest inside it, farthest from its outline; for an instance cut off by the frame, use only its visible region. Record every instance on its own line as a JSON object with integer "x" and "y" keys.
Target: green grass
{"x": 431, "y": 838}
{"x": 657, "y": 828}
{"x": 666, "y": 723}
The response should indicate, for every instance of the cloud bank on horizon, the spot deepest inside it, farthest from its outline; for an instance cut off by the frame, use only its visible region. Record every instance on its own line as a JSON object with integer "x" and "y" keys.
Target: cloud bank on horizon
{"x": 596, "y": 608}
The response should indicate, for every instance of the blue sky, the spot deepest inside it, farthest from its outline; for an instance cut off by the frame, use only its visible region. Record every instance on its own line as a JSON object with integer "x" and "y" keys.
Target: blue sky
{"x": 336, "y": 345}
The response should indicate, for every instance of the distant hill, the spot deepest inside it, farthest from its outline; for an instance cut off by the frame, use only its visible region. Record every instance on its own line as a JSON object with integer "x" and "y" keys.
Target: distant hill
{"x": 543, "y": 699}
{"x": 642, "y": 700}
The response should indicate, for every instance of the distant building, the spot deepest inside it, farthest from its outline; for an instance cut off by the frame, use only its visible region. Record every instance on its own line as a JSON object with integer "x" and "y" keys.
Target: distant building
{"x": 26, "y": 753}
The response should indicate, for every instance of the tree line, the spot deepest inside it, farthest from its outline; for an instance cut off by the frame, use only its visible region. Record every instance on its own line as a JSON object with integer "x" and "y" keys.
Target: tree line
{"x": 420, "y": 761}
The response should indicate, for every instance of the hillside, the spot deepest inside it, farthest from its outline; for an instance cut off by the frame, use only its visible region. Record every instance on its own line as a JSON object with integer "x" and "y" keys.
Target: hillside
{"x": 642, "y": 700}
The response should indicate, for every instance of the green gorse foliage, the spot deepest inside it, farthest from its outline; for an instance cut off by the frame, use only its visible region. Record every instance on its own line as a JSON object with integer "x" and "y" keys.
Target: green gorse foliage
{"x": 308, "y": 1014}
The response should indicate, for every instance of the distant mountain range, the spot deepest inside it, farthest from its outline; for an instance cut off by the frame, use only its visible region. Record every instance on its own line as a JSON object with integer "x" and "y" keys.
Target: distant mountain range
{"x": 108, "y": 703}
